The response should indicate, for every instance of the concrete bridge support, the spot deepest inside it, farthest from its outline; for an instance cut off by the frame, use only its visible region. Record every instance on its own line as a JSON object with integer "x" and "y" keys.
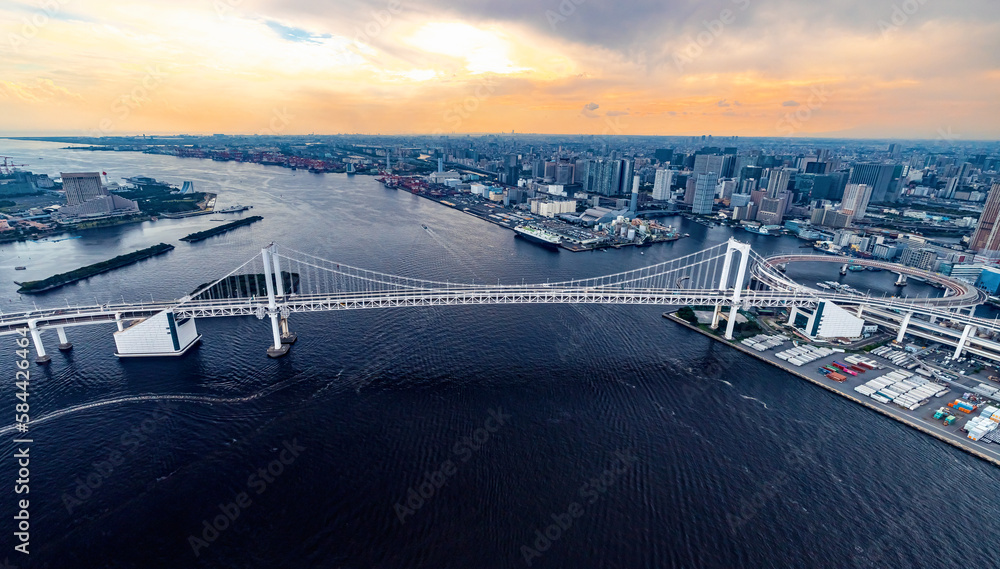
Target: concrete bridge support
{"x": 286, "y": 336}
{"x": 64, "y": 344}
{"x": 792, "y": 314}
{"x": 36, "y": 339}
{"x": 903, "y": 325}
{"x": 969, "y": 332}
{"x": 901, "y": 281}
{"x": 716, "y": 316}
{"x": 278, "y": 349}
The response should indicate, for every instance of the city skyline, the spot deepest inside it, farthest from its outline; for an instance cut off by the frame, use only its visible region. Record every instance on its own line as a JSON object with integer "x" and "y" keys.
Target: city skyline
{"x": 769, "y": 68}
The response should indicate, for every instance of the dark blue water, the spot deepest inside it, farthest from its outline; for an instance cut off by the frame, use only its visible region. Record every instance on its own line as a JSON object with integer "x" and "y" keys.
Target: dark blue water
{"x": 631, "y": 441}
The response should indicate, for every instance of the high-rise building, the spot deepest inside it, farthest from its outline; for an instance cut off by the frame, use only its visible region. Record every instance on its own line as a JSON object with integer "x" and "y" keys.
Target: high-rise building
{"x": 565, "y": 173}
{"x": 661, "y": 184}
{"x": 704, "y": 193}
{"x": 876, "y": 176}
{"x": 80, "y": 187}
{"x": 830, "y": 218}
{"x": 987, "y": 234}
{"x": 772, "y": 210}
{"x": 721, "y": 165}
{"x": 855, "y": 201}
{"x": 607, "y": 177}
{"x": 778, "y": 182}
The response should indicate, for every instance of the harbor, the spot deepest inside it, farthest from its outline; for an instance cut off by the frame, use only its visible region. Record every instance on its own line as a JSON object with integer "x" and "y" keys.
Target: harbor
{"x": 551, "y": 233}
{"x": 922, "y": 418}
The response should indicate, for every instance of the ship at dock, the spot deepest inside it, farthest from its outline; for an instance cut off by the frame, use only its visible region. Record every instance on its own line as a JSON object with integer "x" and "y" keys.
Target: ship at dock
{"x": 538, "y": 236}
{"x": 231, "y": 209}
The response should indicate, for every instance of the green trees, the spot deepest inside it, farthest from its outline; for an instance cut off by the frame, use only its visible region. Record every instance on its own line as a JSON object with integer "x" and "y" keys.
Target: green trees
{"x": 687, "y": 314}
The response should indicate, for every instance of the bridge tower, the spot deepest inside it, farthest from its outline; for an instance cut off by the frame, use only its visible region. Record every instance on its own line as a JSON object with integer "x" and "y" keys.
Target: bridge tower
{"x": 278, "y": 315}
{"x": 733, "y": 248}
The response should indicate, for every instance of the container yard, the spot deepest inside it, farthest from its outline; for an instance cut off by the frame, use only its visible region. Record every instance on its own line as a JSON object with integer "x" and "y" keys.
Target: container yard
{"x": 884, "y": 382}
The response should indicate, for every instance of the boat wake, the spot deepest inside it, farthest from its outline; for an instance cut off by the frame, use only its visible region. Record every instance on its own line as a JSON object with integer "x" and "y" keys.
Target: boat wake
{"x": 204, "y": 399}
{"x": 757, "y": 400}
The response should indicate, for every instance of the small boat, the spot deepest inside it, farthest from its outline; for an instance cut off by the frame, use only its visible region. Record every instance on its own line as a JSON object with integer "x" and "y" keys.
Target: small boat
{"x": 20, "y": 268}
{"x": 424, "y": 226}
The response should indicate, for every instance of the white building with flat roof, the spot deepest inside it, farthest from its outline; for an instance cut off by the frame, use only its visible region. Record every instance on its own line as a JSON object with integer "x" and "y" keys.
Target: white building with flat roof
{"x": 827, "y": 321}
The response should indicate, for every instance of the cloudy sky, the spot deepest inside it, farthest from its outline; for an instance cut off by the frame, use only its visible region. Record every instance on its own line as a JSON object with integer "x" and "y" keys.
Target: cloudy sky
{"x": 865, "y": 68}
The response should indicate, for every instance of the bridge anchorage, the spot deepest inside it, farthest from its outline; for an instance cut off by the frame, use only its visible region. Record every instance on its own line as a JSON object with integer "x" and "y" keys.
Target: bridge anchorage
{"x": 282, "y": 281}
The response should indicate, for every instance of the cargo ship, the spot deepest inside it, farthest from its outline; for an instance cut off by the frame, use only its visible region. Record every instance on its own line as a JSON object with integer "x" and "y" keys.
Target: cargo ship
{"x": 538, "y": 236}
{"x": 232, "y": 209}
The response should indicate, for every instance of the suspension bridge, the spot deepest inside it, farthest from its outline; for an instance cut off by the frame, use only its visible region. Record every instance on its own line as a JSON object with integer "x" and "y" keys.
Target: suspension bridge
{"x": 282, "y": 281}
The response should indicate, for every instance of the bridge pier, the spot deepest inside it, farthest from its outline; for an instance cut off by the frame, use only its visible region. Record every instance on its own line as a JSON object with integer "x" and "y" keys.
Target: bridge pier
{"x": 731, "y": 324}
{"x": 36, "y": 339}
{"x": 903, "y": 325}
{"x": 64, "y": 344}
{"x": 861, "y": 310}
{"x": 118, "y": 321}
{"x": 716, "y": 314}
{"x": 901, "y": 281}
{"x": 843, "y": 269}
{"x": 792, "y": 315}
{"x": 278, "y": 349}
{"x": 969, "y": 331}
{"x": 286, "y": 336}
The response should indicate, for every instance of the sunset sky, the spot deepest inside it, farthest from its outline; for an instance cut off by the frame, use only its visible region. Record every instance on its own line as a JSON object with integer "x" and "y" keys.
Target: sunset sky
{"x": 864, "y": 68}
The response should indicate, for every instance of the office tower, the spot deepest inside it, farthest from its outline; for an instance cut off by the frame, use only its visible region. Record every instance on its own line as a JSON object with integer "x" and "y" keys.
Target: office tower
{"x": 855, "y": 201}
{"x": 580, "y": 171}
{"x": 987, "y": 234}
{"x": 550, "y": 173}
{"x": 740, "y": 200}
{"x": 772, "y": 210}
{"x": 751, "y": 173}
{"x": 876, "y": 176}
{"x": 830, "y": 218}
{"x": 704, "y": 193}
{"x": 661, "y": 184}
{"x": 565, "y": 173}
{"x": 950, "y": 188}
{"x": 664, "y": 154}
{"x": 896, "y": 151}
{"x": 626, "y": 170}
{"x": 817, "y": 167}
{"x": 721, "y": 165}
{"x": 80, "y": 187}
{"x": 538, "y": 169}
{"x": 689, "y": 188}
{"x": 778, "y": 182}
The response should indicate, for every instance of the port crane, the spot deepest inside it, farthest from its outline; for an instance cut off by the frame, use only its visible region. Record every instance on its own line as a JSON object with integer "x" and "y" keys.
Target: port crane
{"x": 8, "y": 165}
